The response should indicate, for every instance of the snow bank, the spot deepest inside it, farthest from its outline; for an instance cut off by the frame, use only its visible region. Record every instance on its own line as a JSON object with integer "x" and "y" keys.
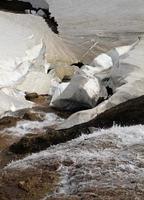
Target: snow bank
{"x": 23, "y": 32}
{"x": 27, "y": 48}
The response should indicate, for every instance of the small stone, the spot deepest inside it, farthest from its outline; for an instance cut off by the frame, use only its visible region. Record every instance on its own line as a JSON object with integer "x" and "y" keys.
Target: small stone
{"x": 68, "y": 162}
{"x": 8, "y": 121}
{"x": 31, "y": 96}
{"x": 33, "y": 116}
{"x": 22, "y": 185}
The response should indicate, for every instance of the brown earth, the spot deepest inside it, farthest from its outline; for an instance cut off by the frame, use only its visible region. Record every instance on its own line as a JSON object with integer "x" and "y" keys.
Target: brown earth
{"x": 28, "y": 184}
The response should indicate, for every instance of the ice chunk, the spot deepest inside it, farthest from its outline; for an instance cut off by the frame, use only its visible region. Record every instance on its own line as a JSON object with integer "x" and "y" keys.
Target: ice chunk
{"x": 27, "y": 48}
{"x": 82, "y": 92}
{"x": 58, "y": 91}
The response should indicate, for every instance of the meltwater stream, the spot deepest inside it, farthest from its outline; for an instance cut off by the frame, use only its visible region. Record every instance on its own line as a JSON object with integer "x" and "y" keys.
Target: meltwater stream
{"x": 105, "y": 161}
{"x": 24, "y": 127}
{"x": 111, "y": 159}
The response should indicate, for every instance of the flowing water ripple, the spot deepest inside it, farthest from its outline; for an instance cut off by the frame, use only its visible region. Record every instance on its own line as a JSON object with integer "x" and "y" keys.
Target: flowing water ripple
{"x": 112, "y": 158}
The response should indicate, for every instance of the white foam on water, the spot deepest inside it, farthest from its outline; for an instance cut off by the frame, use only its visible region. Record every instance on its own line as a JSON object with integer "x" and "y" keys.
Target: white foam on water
{"x": 25, "y": 126}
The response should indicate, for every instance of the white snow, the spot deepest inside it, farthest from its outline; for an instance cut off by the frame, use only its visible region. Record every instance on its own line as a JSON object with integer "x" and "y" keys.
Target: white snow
{"x": 103, "y": 60}
{"x": 28, "y": 47}
{"x": 128, "y": 79}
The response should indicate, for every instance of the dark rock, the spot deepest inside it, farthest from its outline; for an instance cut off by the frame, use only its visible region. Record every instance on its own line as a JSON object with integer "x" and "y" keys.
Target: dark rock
{"x": 68, "y": 162}
{"x": 37, "y": 142}
{"x": 109, "y": 91}
{"x": 33, "y": 116}
{"x": 23, "y": 185}
{"x": 42, "y": 100}
{"x": 31, "y": 96}
{"x": 124, "y": 114}
{"x": 8, "y": 121}
{"x": 78, "y": 64}
{"x": 17, "y": 6}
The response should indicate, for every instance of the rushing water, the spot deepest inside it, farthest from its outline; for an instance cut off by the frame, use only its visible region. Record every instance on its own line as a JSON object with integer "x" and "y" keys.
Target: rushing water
{"x": 24, "y": 127}
{"x": 111, "y": 158}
